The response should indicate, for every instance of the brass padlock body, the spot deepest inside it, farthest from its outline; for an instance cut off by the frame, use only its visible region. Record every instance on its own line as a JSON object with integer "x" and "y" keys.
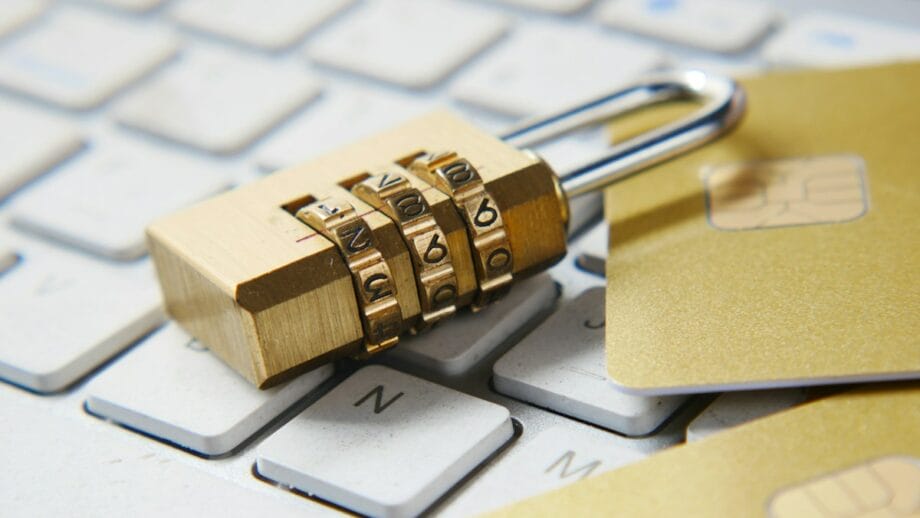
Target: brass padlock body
{"x": 273, "y": 298}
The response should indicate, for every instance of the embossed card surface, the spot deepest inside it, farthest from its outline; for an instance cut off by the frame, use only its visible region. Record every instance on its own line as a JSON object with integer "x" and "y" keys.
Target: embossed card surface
{"x": 787, "y": 253}
{"x": 854, "y": 455}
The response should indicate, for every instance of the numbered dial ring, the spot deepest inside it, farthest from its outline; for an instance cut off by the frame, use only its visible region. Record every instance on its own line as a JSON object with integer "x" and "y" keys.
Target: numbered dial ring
{"x": 381, "y": 314}
{"x": 391, "y": 193}
{"x": 458, "y": 178}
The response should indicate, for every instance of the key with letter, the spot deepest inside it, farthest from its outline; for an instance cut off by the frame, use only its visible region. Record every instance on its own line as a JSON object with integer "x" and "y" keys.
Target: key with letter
{"x": 434, "y": 437}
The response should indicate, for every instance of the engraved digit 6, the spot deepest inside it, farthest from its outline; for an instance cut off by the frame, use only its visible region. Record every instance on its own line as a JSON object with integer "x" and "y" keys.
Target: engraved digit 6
{"x": 485, "y": 215}
{"x": 377, "y": 292}
{"x": 435, "y": 251}
{"x": 410, "y": 205}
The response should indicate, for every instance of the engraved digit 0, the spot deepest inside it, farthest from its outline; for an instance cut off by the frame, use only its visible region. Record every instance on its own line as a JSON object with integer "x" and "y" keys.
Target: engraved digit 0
{"x": 377, "y": 292}
{"x": 498, "y": 259}
{"x": 410, "y": 205}
{"x": 458, "y": 173}
{"x": 444, "y": 295}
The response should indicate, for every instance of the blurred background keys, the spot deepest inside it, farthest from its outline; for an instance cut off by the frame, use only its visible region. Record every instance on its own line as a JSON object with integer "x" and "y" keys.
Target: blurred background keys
{"x": 104, "y": 199}
{"x": 198, "y": 101}
{"x": 33, "y": 141}
{"x": 267, "y": 24}
{"x": 78, "y": 59}
{"x": 383, "y": 40}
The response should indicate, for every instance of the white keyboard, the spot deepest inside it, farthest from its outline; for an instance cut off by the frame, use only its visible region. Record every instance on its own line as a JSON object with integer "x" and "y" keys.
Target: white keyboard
{"x": 114, "y": 112}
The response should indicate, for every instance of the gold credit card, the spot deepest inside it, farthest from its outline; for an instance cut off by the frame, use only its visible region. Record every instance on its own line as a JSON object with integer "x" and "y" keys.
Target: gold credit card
{"x": 856, "y": 454}
{"x": 787, "y": 253}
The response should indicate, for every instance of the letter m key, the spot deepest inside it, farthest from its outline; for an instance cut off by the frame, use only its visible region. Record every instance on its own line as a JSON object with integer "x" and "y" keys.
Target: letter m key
{"x": 567, "y": 470}
{"x": 379, "y": 404}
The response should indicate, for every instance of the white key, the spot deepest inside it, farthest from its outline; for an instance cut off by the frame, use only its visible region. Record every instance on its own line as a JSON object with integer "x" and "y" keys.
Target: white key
{"x": 413, "y": 44}
{"x": 384, "y": 443}
{"x": 340, "y": 116}
{"x": 63, "y": 314}
{"x": 735, "y": 408}
{"x": 551, "y": 6}
{"x": 451, "y": 348}
{"x": 592, "y": 249}
{"x": 132, "y": 5}
{"x": 542, "y": 67}
{"x": 103, "y": 201}
{"x": 7, "y": 258}
{"x": 16, "y": 13}
{"x": 217, "y": 101}
{"x": 78, "y": 59}
{"x": 823, "y": 40}
{"x": 561, "y": 366}
{"x": 554, "y": 458}
{"x": 66, "y": 466}
{"x": 172, "y": 387}
{"x": 717, "y": 25}
{"x": 270, "y": 24}
{"x": 31, "y": 142}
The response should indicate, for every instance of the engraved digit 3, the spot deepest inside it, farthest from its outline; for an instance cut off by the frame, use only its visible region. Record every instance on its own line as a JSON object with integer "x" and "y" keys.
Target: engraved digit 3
{"x": 379, "y": 290}
{"x": 411, "y": 205}
{"x": 485, "y": 215}
{"x": 435, "y": 252}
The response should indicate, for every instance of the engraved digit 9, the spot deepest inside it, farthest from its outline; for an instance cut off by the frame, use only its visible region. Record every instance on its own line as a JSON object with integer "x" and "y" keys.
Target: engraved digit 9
{"x": 485, "y": 215}
{"x": 375, "y": 286}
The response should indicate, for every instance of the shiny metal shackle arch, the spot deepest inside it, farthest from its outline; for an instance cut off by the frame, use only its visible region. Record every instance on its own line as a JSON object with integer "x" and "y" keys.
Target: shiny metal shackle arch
{"x": 723, "y": 104}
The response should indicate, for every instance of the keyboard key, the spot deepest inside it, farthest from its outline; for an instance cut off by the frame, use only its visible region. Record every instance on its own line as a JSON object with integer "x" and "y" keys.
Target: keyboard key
{"x": 384, "y": 443}
{"x": 78, "y": 59}
{"x": 561, "y": 366}
{"x": 103, "y": 201}
{"x": 63, "y": 466}
{"x": 592, "y": 249}
{"x": 735, "y": 408}
{"x": 269, "y": 24}
{"x": 554, "y": 458}
{"x": 823, "y": 40}
{"x": 217, "y": 101}
{"x": 453, "y": 347}
{"x": 173, "y": 388}
{"x": 32, "y": 142}
{"x": 716, "y": 25}
{"x": 7, "y": 258}
{"x": 544, "y": 67}
{"x": 414, "y": 44}
{"x": 551, "y": 6}
{"x": 63, "y": 314}
{"x": 16, "y": 13}
{"x": 340, "y": 116}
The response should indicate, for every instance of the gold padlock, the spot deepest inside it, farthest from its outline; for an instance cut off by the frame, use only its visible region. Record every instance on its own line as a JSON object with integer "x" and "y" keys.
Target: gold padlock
{"x": 343, "y": 254}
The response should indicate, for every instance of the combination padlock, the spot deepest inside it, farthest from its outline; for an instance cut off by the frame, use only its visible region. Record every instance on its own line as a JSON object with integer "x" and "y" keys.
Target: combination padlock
{"x": 342, "y": 255}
